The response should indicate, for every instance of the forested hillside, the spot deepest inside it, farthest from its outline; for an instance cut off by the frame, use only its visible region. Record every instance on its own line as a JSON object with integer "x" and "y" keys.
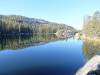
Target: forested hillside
{"x": 14, "y": 24}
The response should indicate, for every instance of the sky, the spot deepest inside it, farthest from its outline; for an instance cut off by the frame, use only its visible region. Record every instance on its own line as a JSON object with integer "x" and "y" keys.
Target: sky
{"x": 70, "y": 12}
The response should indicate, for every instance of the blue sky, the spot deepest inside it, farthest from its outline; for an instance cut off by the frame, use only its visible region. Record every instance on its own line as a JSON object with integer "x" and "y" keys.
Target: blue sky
{"x": 70, "y": 12}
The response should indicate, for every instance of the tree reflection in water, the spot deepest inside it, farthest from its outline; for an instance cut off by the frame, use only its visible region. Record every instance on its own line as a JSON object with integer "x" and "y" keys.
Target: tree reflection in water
{"x": 22, "y": 41}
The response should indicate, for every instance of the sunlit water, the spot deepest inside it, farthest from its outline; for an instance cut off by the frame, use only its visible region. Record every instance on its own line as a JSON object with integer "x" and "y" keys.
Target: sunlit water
{"x": 46, "y": 57}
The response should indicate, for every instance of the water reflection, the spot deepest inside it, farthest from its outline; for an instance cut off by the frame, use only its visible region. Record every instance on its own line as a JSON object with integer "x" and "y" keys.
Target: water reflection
{"x": 54, "y": 58}
{"x": 91, "y": 48}
{"x": 15, "y": 42}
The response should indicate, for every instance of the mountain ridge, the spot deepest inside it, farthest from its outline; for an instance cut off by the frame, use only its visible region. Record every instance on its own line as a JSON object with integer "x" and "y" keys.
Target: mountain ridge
{"x": 36, "y": 19}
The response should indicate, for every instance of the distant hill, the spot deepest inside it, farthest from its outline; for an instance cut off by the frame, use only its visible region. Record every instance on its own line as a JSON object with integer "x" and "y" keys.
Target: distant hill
{"x": 16, "y": 24}
{"x": 22, "y": 19}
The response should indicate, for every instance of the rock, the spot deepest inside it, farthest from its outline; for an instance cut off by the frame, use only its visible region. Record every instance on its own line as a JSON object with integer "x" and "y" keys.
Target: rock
{"x": 92, "y": 67}
{"x": 65, "y": 33}
{"x": 96, "y": 72}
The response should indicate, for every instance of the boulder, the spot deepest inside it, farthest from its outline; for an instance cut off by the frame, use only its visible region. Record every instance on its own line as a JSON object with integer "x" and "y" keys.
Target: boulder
{"x": 92, "y": 67}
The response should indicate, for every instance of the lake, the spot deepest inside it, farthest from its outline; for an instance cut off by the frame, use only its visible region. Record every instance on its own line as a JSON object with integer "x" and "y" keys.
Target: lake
{"x": 43, "y": 55}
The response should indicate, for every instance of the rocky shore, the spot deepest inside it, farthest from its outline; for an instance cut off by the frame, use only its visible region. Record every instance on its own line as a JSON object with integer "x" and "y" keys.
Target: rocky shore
{"x": 92, "y": 67}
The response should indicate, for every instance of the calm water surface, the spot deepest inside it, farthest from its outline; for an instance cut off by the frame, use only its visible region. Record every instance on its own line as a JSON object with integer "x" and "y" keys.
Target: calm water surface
{"x": 41, "y": 55}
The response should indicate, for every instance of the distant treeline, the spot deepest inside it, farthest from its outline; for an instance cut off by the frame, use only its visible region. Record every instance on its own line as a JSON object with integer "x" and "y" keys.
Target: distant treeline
{"x": 22, "y": 25}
